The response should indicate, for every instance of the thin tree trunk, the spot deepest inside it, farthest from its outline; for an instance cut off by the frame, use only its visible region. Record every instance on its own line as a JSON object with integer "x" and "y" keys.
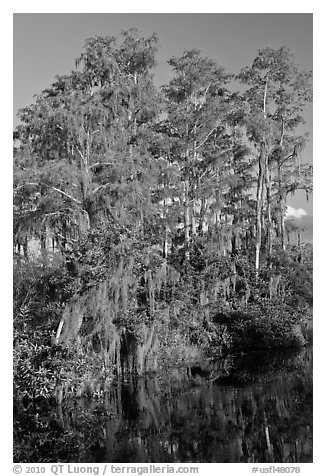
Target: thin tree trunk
{"x": 25, "y": 248}
{"x": 259, "y": 205}
{"x": 260, "y": 191}
{"x": 281, "y": 203}
{"x": 187, "y": 220}
{"x": 281, "y": 206}
{"x": 44, "y": 252}
{"x": 165, "y": 243}
{"x": 282, "y": 220}
{"x": 202, "y": 217}
{"x": 234, "y": 241}
{"x": 166, "y": 228}
{"x": 193, "y": 221}
{"x": 187, "y": 211}
{"x": 268, "y": 202}
{"x": 299, "y": 238}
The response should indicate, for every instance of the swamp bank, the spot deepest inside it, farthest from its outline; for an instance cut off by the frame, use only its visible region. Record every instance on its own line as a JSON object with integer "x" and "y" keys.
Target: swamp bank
{"x": 140, "y": 313}
{"x": 146, "y": 360}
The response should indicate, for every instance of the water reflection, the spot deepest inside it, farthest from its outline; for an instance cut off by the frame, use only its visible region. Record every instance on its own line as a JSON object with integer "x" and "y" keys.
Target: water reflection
{"x": 249, "y": 410}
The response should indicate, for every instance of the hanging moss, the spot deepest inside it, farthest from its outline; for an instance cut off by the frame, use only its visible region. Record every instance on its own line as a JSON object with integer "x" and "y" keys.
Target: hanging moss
{"x": 104, "y": 318}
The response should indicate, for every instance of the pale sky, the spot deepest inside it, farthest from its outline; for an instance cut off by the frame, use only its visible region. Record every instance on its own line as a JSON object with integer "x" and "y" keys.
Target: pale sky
{"x": 46, "y": 44}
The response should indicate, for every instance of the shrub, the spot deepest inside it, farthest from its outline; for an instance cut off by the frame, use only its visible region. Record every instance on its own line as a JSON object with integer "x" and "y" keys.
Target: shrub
{"x": 263, "y": 325}
{"x": 44, "y": 371}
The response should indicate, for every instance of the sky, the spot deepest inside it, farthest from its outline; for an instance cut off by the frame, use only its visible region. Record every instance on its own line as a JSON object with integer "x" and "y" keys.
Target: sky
{"x": 46, "y": 44}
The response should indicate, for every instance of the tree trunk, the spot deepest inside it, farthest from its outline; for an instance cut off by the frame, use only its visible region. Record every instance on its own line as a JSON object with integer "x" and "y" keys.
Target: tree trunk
{"x": 165, "y": 242}
{"x": 268, "y": 203}
{"x": 281, "y": 195}
{"x": 44, "y": 252}
{"x": 282, "y": 223}
{"x": 281, "y": 207}
{"x": 234, "y": 240}
{"x": 202, "y": 217}
{"x": 259, "y": 205}
{"x": 193, "y": 221}
{"x": 25, "y": 248}
{"x": 260, "y": 189}
{"x": 186, "y": 219}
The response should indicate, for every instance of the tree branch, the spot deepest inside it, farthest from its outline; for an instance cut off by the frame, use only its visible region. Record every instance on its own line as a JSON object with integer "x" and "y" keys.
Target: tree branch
{"x": 203, "y": 98}
{"x": 97, "y": 189}
{"x": 207, "y": 137}
{"x": 35, "y": 184}
{"x": 81, "y": 155}
{"x": 97, "y": 164}
{"x": 64, "y": 194}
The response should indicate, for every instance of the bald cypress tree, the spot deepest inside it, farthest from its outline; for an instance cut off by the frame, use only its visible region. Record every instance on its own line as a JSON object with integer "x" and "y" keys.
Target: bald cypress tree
{"x": 275, "y": 98}
{"x": 82, "y": 150}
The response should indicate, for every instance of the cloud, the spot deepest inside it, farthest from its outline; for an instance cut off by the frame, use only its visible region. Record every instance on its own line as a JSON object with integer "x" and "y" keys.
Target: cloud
{"x": 295, "y": 212}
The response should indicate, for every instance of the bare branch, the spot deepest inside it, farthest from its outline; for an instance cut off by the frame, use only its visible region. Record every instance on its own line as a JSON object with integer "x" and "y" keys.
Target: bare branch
{"x": 34, "y": 184}
{"x": 81, "y": 155}
{"x": 57, "y": 213}
{"x": 97, "y": 164}
{"x": 207, "y": 137}
{"x": 24, "y": 184}
{"x": 57, "y": 234}
{"x": 65, "y": 194}
{"x": 101, "y": 187}
{"x": 203, "y": 98}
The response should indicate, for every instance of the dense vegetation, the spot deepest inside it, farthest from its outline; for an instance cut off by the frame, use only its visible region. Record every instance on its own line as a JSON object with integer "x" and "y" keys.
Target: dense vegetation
{"x": 150, "y": 222}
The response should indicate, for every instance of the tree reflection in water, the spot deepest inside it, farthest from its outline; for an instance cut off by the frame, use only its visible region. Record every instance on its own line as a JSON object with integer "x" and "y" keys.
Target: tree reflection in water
{"x": 256, "y": 410}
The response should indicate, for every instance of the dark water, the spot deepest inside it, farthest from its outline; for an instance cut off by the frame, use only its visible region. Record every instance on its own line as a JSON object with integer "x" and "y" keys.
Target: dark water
{"x": 243, "y": 409}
